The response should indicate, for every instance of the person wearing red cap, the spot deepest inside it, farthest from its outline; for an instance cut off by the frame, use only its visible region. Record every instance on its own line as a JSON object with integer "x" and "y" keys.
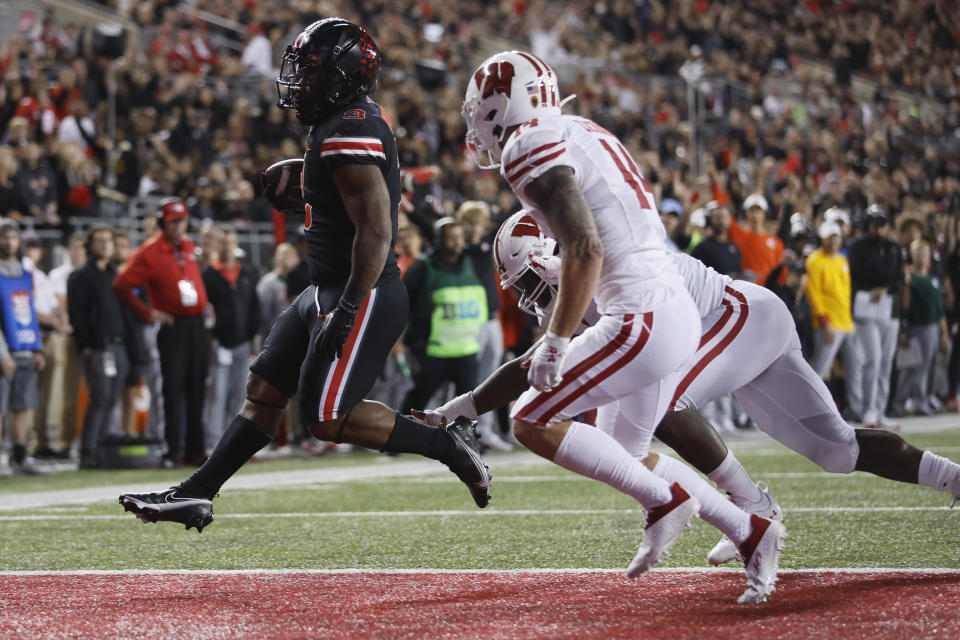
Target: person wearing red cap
{"x": 167, "y": 266}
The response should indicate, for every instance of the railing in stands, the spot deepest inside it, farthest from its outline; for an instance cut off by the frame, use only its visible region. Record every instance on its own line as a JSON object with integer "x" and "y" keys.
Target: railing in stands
{"x": 255, "y": 239}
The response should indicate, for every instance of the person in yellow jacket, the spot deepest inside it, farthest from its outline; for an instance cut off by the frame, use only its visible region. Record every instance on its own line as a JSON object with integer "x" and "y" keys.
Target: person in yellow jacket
{"x": 828, "y": 292}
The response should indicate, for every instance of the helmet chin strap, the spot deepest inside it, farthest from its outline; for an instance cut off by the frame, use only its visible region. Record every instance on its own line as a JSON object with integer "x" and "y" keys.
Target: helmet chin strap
{"x": 317, "y": 113}
{"x": 567, "y": 99}
{"x": 309, "y": 116}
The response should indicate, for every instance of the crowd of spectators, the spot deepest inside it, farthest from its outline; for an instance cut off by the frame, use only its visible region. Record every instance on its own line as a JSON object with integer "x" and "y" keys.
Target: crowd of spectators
{"x": 812, "y": 105}
{"x": 196, "y": 122}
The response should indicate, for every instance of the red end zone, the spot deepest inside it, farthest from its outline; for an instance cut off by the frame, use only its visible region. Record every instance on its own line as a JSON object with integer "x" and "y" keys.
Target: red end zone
{"x": 578, "y": 605}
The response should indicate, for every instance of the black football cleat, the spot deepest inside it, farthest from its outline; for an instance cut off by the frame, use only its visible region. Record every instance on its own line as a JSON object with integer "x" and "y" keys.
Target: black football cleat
{"x": 467, "y": 463}
{"x": 167, "y": 506}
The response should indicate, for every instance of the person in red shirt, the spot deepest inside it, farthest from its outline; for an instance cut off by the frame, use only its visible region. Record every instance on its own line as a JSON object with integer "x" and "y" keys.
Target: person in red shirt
{"x": 760, "y": 251}
{"x": 167, "y": 266}
{"x": 64, "y": 91}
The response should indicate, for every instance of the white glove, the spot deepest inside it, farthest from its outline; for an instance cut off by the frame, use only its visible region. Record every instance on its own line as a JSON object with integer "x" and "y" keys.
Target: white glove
{"x": 429, "y": 417}
{"x": 547, "y": 362}
{"x": 445, "y": 414}
{"x": 547, "y": 267}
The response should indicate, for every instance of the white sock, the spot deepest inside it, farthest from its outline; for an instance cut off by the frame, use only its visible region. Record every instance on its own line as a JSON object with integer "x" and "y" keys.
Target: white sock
{"x": 730, "y": 476}
{"x": 937, "y": 472}
{"x": 592, "y": 453}
{"x": 715, "y": 508}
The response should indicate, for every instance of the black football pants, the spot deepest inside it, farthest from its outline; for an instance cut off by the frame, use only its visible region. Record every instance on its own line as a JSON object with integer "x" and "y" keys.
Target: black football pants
{"x": 184, "y": 350}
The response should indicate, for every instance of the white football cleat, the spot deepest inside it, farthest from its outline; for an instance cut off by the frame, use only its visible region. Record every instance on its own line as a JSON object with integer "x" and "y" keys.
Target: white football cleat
{"x": 761, "y": 552}
{"x": 664, "y": 525}
{"x": 725, "y": 551}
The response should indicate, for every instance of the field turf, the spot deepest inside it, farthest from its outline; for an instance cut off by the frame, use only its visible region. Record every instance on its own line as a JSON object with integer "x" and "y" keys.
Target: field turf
{"x": 362, "y": 545}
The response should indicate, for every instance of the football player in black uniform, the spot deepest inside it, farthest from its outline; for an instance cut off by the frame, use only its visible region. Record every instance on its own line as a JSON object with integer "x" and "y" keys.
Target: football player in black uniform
{"x": 331, "y": 343}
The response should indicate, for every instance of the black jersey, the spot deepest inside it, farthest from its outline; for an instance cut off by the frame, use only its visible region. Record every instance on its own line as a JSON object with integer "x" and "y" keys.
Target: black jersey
{"x": 360, "y": 134}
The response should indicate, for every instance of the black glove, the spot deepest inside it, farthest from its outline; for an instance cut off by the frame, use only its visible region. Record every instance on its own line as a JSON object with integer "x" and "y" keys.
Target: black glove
{"x": 267, "y": 190}
{"x": 280, "y": 201}
{"x": 335, "y": 329}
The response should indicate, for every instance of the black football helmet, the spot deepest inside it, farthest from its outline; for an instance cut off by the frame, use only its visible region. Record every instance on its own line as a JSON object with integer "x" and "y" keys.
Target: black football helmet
{"x": 332, "y": 63}
{"x": 876, "y": 216}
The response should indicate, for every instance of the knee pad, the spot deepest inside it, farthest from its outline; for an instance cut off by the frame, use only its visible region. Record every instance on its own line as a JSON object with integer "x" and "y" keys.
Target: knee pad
{"x": 833, "y": 445}
{"x": 838, "y": 458}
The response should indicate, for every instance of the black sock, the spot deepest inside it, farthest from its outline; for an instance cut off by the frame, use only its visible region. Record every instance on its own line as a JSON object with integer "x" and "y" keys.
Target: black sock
{"x": 19, "y": 453}
{"x": 409, "y": 436}
{"x": 240, "y": 441}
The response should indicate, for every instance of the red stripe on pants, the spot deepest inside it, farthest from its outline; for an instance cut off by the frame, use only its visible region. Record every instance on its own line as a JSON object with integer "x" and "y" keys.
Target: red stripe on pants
{"x": 328, "y": 402}
{"x": 625, "y": 329}
{"x": 711, "y": 355}
{"x": 609, "y": 371}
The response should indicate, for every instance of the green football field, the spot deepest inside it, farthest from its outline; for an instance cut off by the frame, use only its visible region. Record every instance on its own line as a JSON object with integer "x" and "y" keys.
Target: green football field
{"x": 366, "y": 511}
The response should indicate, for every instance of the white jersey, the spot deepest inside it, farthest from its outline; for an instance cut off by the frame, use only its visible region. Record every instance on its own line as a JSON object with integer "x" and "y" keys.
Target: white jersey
{"x": 749, "y": 346}
{"x": 638, "y": 273}
{"x": 705, "y": 285}
{"x": 590, "y": 317}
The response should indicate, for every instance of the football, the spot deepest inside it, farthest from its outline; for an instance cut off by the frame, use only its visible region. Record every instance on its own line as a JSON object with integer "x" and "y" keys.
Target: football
{"x": 281, "y": 186}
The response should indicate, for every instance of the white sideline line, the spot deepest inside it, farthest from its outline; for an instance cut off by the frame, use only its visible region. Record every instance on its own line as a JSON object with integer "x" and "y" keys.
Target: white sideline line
{"x": 254, "y": 572}
{"x": 751, "y": 443}
{"x": 764, "y": 450}
{"x": 576, "y": 478}
{"x": 451, "y": 512}
{"x": 530, "y": 479}
{"x": 384, "y": 468}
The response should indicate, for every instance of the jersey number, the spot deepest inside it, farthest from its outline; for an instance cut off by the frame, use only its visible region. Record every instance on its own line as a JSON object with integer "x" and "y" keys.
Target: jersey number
{"x": 630, "y": 173}
{"x": 621, "y": 158}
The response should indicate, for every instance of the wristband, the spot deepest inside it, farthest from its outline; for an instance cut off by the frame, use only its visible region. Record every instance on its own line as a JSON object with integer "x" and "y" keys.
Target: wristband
{"x": 347, "y": 307}
{"x": 559, "y": 343}
{"x": 351, "y": 299}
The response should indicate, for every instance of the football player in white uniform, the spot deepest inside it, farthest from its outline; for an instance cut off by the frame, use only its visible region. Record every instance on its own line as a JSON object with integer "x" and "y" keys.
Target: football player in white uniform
{"x": 749, "y": 347}
{"x": 588, "y": 192}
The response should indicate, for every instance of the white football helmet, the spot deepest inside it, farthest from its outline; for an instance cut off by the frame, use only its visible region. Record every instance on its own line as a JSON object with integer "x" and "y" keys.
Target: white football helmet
{"x": 519, "y": 244}
{"x": 837, "y": 214}
{"x": 508, "y": 88}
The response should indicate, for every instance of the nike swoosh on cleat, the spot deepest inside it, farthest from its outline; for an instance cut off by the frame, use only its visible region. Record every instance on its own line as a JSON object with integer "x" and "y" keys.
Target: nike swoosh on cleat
{"x": 168, "y": 505}
{"x": 477, "y": 460}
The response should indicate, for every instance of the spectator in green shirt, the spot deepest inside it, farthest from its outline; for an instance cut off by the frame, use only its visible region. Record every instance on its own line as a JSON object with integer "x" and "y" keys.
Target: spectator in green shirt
{"x": 926, "y": 329}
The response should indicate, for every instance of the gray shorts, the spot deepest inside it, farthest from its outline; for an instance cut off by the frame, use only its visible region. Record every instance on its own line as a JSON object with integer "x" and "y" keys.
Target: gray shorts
{"x": 19, "y": 392}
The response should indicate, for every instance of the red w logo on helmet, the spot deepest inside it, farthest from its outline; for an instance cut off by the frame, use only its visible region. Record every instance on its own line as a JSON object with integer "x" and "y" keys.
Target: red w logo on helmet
{"x": 526, "y": 226}
{"x": 496, "y": 76}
